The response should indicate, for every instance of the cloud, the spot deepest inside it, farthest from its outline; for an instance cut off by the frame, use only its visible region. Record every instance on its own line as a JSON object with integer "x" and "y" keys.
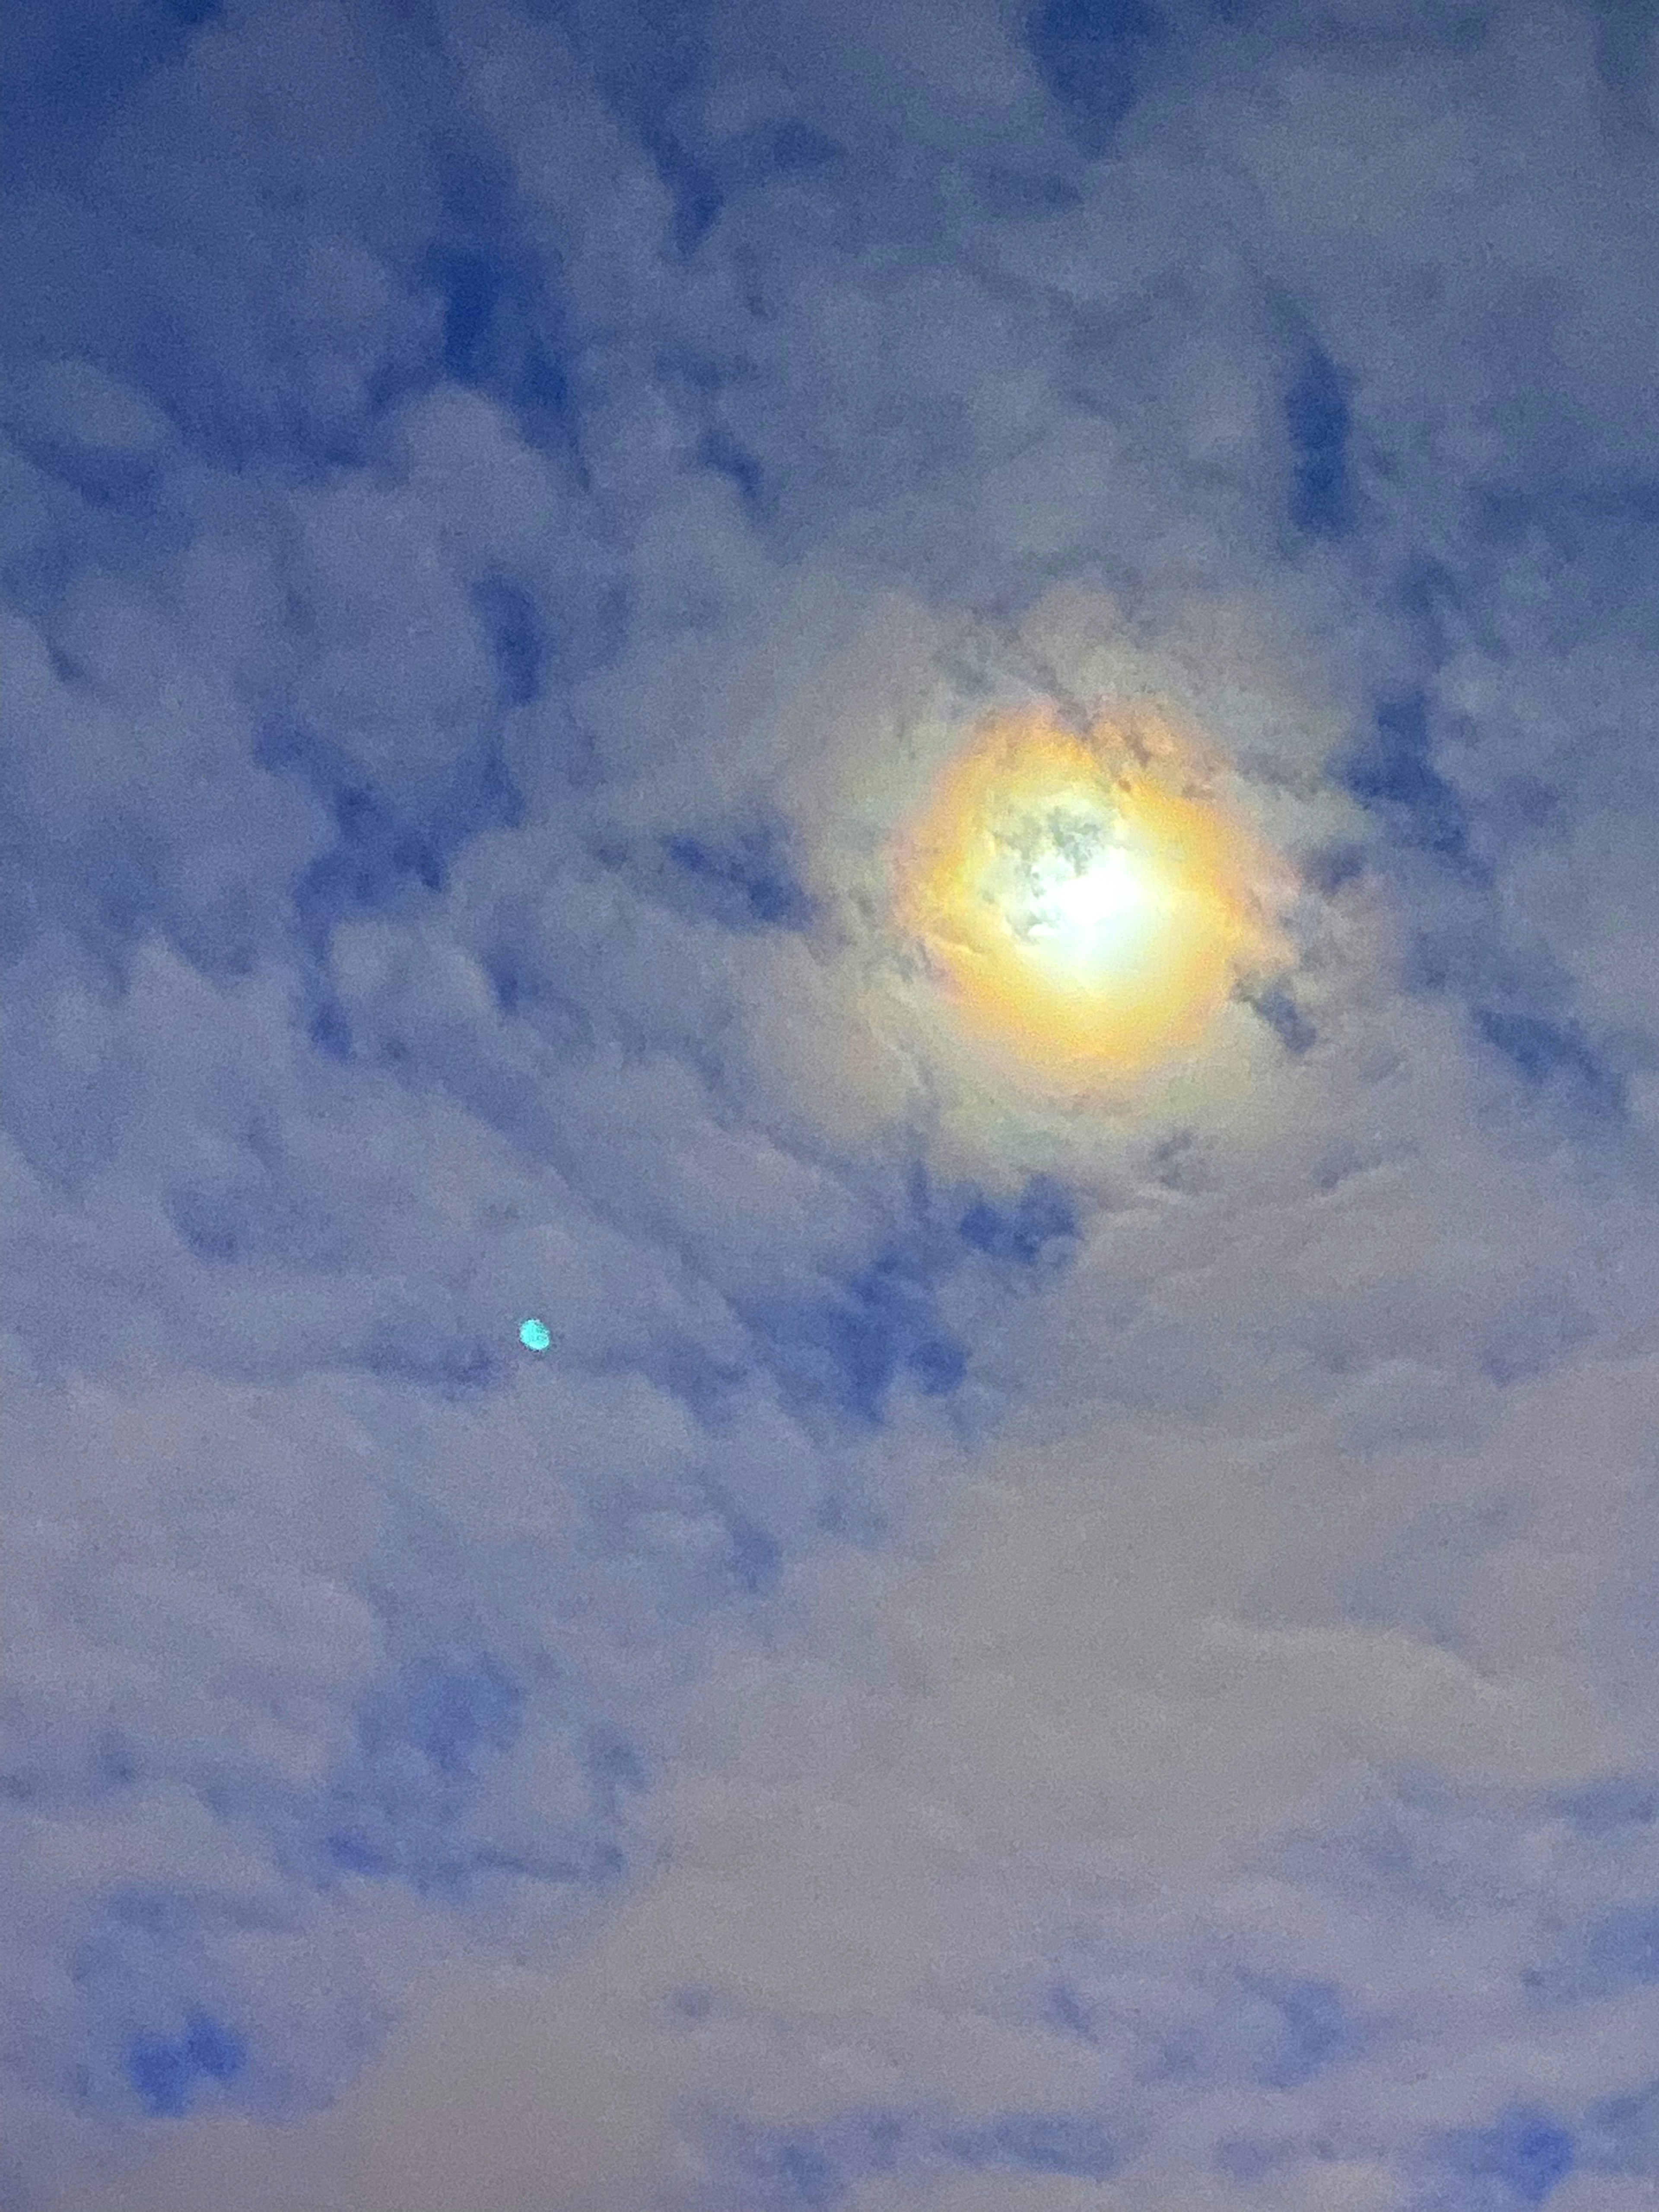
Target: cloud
{"x": 1012, "y": 1650}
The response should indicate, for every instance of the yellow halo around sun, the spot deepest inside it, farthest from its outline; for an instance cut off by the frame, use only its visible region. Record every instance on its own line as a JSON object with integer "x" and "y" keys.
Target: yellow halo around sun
{"x": 1087, "y": 902}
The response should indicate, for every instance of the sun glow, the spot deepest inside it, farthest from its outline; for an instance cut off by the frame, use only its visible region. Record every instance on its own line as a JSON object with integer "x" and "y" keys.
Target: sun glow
{"x": 1088, "y": 903}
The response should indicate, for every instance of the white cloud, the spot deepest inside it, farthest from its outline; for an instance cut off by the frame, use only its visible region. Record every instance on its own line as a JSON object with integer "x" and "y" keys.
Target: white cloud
{"x": 1187, "y": 1731}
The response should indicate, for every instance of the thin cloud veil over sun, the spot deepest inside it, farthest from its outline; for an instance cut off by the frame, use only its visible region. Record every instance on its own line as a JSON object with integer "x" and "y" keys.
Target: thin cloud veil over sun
{"x": 829, "y": 1107}
{"x": 1084, "y": 900}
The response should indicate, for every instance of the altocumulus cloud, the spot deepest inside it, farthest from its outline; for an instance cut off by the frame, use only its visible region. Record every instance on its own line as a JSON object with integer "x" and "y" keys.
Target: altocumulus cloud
{"x": 1006, "y": 1651}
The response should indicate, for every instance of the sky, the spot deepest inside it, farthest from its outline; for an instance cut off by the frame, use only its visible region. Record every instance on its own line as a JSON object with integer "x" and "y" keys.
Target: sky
{"x": 1020, "y": 1650}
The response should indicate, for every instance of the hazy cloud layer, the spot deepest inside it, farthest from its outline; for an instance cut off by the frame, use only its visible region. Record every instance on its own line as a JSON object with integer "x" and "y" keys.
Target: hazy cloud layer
{"x": 1008, "y": 1654}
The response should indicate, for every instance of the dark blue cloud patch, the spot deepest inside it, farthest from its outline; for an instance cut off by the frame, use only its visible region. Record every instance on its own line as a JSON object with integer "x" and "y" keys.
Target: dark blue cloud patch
{"x": 939, "y": 1363}
{"x": 1332, "y": 868}
{"x": 1511, "y": 2165}
{"x": 217, "y": 1226}
{"x": 512, "y": 977}
{"x": 123, "y": 477}
{"x": 66, "y": 67}
{"x": 1297, "y": 2028}
{"x": 1620, "y": 2134}
{"x": 1221, "y": 2022}
{"x": 172, "y": 247}
{"x": 1624, "y": 62}
{"x": 814, "y": 2168}
{"x": 717, "y": 449}
{"x": 408, "y": 1804}
{"x": 1317, "y": 422}
{"x": 1608, "y": 1954}
{"x": 1622, "y": 1947}
{"x": 753, "y": 1558}
{"x": 706, "y": 175}
{"x": 1091, "y": 54}
{"x": 422, "y": 1743}
{"x": 128, "y": 882}
{"x": 615, "y": 1769}
{"x": 473, "y": 284}
{"x": 1410, "y": 1835}
{"x": 377, "y": 860}
{"x": 1278, "y": 2032}
{"x": 818, "y": 2167}
{"x": 1615, "y": 1802}
{"x": 392, "y": 844}
{"x": 1391, "y": 771}
{"x": 1040, "y": 1224}
{"x": 1276, "y": 1005}
{"x": 451, "y": 1363}
{"x": 56, "y": 1776}
{"x": 795, "y": 149}
{"x": 111, "y": 883}
{"x": 1590, "y": 540}
{"x": 798, "y": 2175}
{"x": 517, "y": 635}
{"x": 183, "y": 2001}
{"x": 1014, "y": 196}
{"x": 697, "y": 380}
{"x": 852, "y": 1347}
{"x": 1075, "y": 2144}
{"x": 328, "y": 1027}
{"x": 199, "y": 859}
{"x": 1067, "y": 2010}
{"x": 1554, "y": 1058}
{"x": 1434, "y": 605}
{"x": 168, "y": 2073}
{"x": 651, "y": 62}
{"x": 1246, "y": 2159}
{"x": 699, "y": 196}
{"x": 501, "y": 333}
{"x": 858, "y": 1344}
{"x": 264, "y": 1207}
{"x": 745, "y": 878}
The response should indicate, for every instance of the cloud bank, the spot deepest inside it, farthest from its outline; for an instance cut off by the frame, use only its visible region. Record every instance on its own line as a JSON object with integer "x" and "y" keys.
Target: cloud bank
{"x": 1013, "y": 1651}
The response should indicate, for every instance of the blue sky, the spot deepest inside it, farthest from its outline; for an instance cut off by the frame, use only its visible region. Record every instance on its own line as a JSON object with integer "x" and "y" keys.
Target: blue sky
{"x": 1006, "y": 1654}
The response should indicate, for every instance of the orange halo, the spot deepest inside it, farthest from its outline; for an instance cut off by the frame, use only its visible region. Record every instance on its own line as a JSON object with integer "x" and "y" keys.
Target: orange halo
{"x": 1088, "y": 903}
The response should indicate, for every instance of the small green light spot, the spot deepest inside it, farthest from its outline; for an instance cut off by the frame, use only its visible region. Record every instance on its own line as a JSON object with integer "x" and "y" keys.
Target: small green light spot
{"x": 535, "y": 1335}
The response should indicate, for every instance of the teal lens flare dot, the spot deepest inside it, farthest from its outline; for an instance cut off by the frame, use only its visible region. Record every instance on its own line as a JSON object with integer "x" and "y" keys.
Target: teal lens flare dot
{"x": 534, "y": 1335}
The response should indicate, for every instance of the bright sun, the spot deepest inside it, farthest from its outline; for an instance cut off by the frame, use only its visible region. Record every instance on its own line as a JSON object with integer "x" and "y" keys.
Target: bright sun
{"x": 1087, "y": 902}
